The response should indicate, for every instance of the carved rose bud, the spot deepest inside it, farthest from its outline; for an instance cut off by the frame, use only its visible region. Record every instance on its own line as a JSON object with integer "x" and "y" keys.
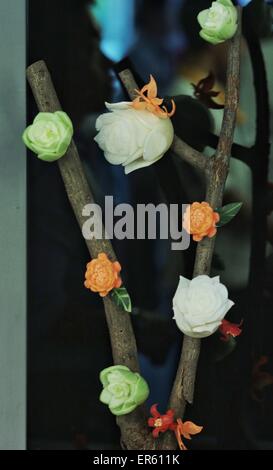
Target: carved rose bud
{"x": 219, "y": 22}
{"x": 49, "y": 136}
{"x": 123, "y": 390}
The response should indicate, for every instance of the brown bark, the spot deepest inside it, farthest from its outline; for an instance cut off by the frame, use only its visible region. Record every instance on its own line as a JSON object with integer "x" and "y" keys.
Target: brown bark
{"x": 216, "y": 170}
{"x": 216, "y": 174}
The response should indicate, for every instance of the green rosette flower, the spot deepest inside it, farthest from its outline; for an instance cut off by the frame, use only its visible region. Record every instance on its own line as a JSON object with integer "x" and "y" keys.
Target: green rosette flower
{"x": 123, "y": 390}
{"x": 49, "y": 136}
{"x": 219, "y": 22}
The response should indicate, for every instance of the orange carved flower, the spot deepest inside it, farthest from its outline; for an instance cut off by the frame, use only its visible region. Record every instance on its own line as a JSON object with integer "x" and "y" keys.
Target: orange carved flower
{"x": 200, "y": 221}
{"x": 166, "y": 422}
{"x": 161, "y": 423}
{"x": 102, "y": 275}
{"x": 148, "y": 100}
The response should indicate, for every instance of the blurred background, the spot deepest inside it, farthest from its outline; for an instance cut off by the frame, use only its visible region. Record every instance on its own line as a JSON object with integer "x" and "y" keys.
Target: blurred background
{"x": 84, "y": 45}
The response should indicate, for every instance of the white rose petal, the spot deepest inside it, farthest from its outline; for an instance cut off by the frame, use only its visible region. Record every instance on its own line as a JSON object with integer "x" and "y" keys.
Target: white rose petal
{"x": 200, "y": 305}
{"x": 132, "y": 138}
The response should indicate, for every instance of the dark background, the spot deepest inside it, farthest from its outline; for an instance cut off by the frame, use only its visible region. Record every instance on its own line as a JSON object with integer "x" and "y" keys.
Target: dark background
{"x": 68, "y": 342}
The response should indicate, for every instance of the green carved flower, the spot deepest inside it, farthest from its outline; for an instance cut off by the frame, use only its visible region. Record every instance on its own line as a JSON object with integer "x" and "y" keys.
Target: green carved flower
{"x": 219, "y": 22}
{"x": 123, "y": 390}
{"x": 49, "y": 136}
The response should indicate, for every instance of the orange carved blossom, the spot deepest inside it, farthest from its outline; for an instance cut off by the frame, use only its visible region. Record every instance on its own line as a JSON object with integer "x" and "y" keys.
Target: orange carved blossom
{"x": 200, "y": 221}
{"x": 148, "y": 100}
{"x": 102, "y": 275}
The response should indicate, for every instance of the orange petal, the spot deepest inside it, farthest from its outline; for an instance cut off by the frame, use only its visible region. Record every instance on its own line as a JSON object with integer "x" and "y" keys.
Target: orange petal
{"x": 102, "y": 256}
{"x": 118, "y": 282}
{"x": 157, "y": 101}
{"x": 216, "y": 217}
{"x": 139, "y": 105}
{"x": 162, "y": 113}
{"x": 150, "y": 107}
{"x": 151, "y": 88}
{"x": 197, "y": 238}
{"x": 171, "y": 113}
{"x": 117, "y": 266}
{"x": 212, "y": 232}
{"x": 179, "y": 439}
{"x": 191, "y": 428}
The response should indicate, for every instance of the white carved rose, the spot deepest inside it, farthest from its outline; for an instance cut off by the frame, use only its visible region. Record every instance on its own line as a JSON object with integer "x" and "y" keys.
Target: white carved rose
{"x": 200, "y": 305}
{"x": 131, "y": 137}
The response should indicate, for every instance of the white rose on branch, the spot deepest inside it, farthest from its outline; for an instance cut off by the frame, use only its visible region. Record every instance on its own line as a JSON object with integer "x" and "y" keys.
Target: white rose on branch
{"x": 136, "y": 134}
{"x": 200, "y": 305}
{"x": 133, "y": 138}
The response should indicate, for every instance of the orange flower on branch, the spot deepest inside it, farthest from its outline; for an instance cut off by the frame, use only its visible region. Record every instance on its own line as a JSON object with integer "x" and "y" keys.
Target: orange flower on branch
{"x": 102, "y": 275}
{"x": 148, "y": 100}
{"x": 200, "y": 221}
{"x": 161, "y": 423}
{"x": 185, "y": 430}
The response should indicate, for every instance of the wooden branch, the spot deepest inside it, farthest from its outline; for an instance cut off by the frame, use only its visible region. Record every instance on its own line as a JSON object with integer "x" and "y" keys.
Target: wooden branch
{"x": 133, "y": 426}
{"x": 189, "y": 154}
{"x": 239, "y": 152}
{"x": 179, "y": 147}
{"x": 217, "y": 171}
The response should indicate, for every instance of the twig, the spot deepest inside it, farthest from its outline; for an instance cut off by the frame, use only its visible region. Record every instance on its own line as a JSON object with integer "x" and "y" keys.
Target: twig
{"x": 244, "y": 154}
{"x": 133, "y": 429}
{"x": 183, "y": 150}
{"x": 189, "y": 154}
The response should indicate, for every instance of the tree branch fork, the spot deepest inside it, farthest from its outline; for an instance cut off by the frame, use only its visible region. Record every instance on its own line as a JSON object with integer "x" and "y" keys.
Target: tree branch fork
{"x": 134, "y": 431}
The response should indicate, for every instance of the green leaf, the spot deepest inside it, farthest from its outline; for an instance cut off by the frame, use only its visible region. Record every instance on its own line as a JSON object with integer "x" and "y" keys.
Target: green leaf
{"x": 228, "y": 212}
{"x": 122, "y": 299}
